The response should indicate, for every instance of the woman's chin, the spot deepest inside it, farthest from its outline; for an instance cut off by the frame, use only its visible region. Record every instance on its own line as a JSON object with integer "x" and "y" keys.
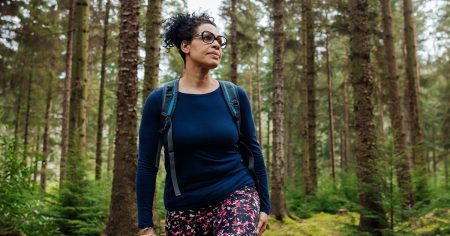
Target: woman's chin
{"x": 213, "y": 64}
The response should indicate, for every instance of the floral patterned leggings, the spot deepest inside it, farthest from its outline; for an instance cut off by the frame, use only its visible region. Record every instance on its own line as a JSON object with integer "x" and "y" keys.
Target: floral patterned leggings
{"x": 238, "y": 214}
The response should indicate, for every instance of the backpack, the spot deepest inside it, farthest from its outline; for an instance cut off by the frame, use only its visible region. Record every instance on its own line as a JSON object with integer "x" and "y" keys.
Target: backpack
{"x": 169, "y": 102}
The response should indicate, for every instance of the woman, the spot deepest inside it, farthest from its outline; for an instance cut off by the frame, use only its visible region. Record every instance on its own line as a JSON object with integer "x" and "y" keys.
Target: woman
{"x": 213, "y": 192}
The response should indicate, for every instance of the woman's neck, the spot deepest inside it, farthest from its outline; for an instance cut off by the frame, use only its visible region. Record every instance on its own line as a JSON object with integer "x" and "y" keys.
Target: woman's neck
{"x": 196, "y": 79}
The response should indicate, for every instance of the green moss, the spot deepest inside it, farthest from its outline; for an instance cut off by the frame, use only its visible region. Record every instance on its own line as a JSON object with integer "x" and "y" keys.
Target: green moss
{"x": 317, "y": 225}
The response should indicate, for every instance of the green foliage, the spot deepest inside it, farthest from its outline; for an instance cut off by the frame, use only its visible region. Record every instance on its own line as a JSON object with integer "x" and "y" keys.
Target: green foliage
{"x": 22, "y": 206}
{"x": 330, "y": 197}
{"x": 320, "y": 224}
{"x": 85, "y": 213}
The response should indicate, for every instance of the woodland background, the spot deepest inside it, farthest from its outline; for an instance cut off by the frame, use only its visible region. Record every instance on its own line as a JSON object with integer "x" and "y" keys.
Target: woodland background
{"x": 351, "y": 104}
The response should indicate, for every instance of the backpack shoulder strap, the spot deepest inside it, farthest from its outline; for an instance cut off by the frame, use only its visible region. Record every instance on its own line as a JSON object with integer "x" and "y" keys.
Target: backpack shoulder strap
{"x": 167, "y": 109}
{"x": 231, "y": 95}
{"x": 168, "y": 104}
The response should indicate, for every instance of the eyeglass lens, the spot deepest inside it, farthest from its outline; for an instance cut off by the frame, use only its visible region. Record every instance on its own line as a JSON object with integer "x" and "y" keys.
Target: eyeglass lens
{"x": 209, "y": 38}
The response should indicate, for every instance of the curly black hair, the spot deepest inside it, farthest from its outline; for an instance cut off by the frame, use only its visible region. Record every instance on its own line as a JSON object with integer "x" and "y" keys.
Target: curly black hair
{"x": 181, "y": 27}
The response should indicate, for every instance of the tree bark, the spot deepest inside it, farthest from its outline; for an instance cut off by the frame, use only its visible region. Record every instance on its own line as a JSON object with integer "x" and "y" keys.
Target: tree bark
{"x": 395, "y": 109}
{"x": 306, "y": 159}
{"x": 233, "y": 43}
{"x": 123, "y": 213}
{"x": 46, "y": 148}
{"x": 330, "y": 109}
{"x": 112, "y": 128}
{"x": 258, "y": 87}
{"x": 268, "y": 163}
{"x": 17, "y": 118}
{"x": 66, "y": 96}
{"x": 27, "y": 121}
{"x": 250, "y": 86}
{"x": 98, "y": 152}
{"x": 75, "y": 178}
{"x": 411, "y": 71}
{"x": 310, "y": 83}
{"x": 36, "y": 155}
{"x": 278, "y": 170}
{"x": 347, "y": 160}
{"x": 151, "y": 66}
{"x": 373, "y": 217}
{"x": 152, "y": 46}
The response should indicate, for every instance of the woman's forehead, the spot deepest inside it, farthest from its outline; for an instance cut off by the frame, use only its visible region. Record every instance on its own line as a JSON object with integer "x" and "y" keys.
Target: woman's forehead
{"x": 208, "y": 27}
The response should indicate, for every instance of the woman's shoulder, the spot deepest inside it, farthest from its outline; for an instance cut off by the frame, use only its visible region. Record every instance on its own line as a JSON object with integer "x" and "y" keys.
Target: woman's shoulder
{"x": 155, "y": 97}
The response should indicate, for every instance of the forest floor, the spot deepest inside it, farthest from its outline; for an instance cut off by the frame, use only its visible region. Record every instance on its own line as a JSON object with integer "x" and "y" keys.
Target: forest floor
{"x": 324, "y": 224}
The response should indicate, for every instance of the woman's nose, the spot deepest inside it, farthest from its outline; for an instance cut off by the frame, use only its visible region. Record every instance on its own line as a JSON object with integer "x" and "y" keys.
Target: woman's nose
{"x": 216, "y": 44}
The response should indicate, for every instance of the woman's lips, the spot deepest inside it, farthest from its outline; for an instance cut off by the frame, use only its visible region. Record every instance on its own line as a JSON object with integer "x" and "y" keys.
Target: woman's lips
{"x": 216, "y": 55}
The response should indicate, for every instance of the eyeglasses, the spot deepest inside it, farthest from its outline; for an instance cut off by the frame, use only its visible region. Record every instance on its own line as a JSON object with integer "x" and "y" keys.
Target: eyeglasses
{"x": 209, "y": 38}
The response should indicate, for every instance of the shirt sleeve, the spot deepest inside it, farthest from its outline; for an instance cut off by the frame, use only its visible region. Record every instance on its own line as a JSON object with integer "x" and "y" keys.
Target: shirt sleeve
{"x": 249, "y": 135}
{"x": 147, "y": 149}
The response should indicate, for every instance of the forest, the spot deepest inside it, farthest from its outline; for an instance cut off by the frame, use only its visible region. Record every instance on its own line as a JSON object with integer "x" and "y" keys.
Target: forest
{"x": 350, "y": 99}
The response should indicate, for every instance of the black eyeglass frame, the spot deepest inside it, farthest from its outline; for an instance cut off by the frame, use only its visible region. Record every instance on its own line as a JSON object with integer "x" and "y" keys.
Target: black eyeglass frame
{"x": 222, "y": 45}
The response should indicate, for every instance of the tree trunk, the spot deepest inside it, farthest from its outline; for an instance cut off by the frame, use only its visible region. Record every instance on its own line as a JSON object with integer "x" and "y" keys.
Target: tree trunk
{"x": 37, "y": 155}
{"x": 46, "y": 149}
{"x": 75, "y": 179}
{"x": 98, "y": 152}
{"x": 250, "y": 86}
{"x": 417, "y": 140}
{"x": 380, "y": 74}
{"x": 278, "y": 170}
{"x": 111, "y": 132}
{"x": 307, "y": 179}
{"x": 27, "y": 121}
{"x": 123, "y": 213}
{"x": 347, "y": 162}
{"x": 330, "y": 109}
{"x": 152, "y": 46}
{"x": 268, "y": 149}
{"x": 395, "y": 109}
{"x": 17, "y": 118}
{"x": 152, "y": 68}
{"x": 310, "y": 84}
{"x": 372, "y": 217}
{"x": 233, "y": 43}
{"x": 258, "y": 87}
{"x": 66, "y": 95}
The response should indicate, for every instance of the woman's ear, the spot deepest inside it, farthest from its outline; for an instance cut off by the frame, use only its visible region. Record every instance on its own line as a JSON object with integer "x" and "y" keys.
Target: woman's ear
{"x": 185, "y": 46}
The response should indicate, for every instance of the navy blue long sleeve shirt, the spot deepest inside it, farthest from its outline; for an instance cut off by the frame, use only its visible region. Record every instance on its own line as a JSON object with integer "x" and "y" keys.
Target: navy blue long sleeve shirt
{"x": 208, "y": 164}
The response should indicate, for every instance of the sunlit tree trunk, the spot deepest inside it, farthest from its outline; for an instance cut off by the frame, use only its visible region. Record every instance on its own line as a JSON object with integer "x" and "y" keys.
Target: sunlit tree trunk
{"x": 152, "y": 45}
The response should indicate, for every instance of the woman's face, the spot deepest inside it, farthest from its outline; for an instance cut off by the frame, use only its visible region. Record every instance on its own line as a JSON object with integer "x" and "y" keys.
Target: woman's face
{"x": 201, "y": 53}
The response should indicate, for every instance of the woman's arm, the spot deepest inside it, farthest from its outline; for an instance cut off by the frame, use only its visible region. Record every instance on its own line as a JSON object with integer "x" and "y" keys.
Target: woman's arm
{"x": 249, "y": 137}
{"x": 146, "y": 170}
